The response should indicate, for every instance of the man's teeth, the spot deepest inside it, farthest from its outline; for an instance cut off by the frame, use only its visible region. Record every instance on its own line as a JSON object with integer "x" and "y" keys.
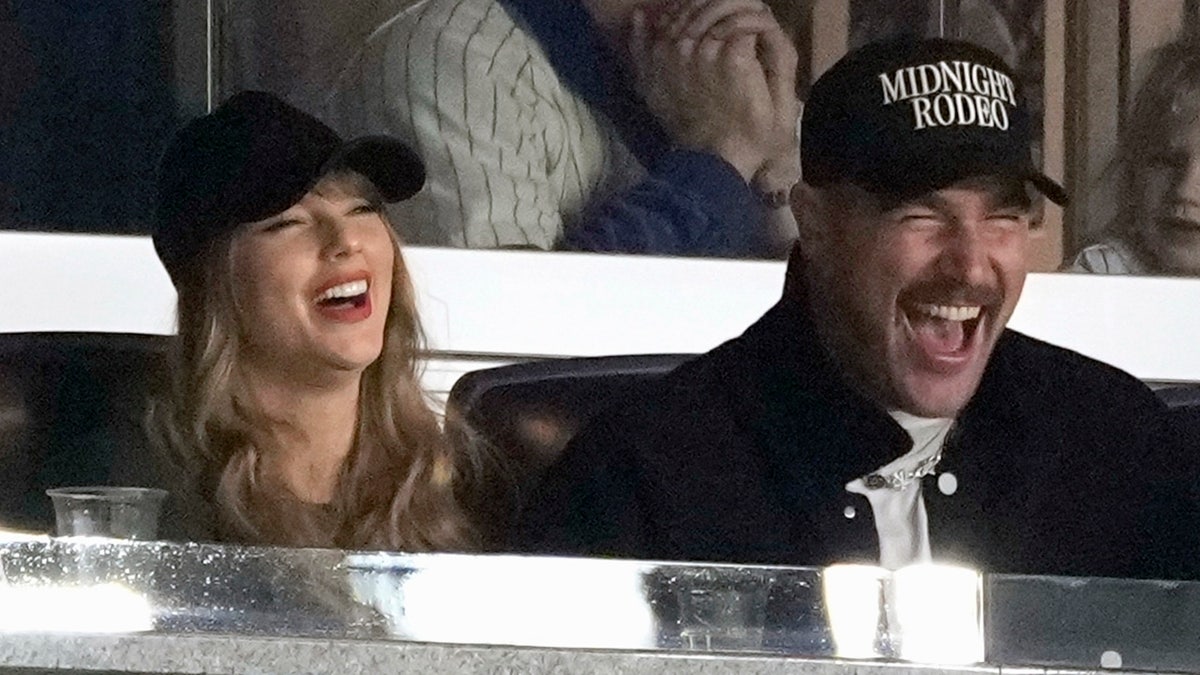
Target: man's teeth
{"x": 346, "y": 290}
{"x": 949, "y": 312}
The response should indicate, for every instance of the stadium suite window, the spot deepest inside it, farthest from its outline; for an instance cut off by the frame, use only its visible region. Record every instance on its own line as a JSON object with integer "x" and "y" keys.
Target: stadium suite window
{"x": 87, "y": 100}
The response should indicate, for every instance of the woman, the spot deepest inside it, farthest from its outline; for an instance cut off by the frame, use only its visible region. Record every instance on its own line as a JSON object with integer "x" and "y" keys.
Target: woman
{"x": 295, "y": 405}
{"x": 1157, "y": 227}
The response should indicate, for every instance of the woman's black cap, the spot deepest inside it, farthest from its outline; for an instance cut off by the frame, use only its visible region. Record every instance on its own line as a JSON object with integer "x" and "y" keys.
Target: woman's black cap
{"x": 253, "y": 157}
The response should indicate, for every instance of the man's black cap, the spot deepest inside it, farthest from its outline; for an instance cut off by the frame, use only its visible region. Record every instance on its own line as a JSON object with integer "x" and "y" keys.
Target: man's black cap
{"x": 908, "y": 116}
{"x": 255, "y": 156}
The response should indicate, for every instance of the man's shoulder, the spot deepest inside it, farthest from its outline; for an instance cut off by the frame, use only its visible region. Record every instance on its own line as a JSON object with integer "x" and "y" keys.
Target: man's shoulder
{"x": 1062, "y": 376}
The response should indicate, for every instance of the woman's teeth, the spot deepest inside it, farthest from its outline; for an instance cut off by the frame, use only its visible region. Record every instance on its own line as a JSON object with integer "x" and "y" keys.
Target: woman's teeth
{"x": 342, "y": 291}
{"x": 949, "y": 312}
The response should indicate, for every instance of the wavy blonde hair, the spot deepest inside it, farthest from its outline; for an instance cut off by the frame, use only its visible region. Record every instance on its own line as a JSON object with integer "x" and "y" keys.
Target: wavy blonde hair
{"x": 398, "y": 487}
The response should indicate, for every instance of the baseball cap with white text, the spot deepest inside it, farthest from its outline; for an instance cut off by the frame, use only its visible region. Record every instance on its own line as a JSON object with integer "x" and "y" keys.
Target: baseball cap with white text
{"x": 908, "y": 116}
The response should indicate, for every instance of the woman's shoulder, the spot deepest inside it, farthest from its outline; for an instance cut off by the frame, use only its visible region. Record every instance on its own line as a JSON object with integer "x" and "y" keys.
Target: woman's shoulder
{"x": 1111, "y": 256}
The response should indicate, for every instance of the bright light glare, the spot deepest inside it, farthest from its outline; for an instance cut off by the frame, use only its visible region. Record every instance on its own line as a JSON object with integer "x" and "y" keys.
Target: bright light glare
{"x": 939, "y": 614}
{"x": 104, "y": 608}
{"x": 552, "y": 602}
{"x": 853, "y": 601}
{"x": 8, "y": 536}
{"x": 927, "y": 613}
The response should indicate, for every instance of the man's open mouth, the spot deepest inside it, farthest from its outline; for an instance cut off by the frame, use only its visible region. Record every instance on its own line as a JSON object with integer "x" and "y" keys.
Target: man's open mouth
{"x": 943, "y": 330}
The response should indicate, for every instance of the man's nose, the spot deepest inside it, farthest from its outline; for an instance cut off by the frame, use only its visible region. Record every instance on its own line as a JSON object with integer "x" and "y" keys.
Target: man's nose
{"x": 341, "y": 238}
{"x": 965, "y": 256}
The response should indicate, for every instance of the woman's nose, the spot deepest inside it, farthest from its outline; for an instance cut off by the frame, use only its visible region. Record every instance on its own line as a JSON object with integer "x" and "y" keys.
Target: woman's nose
{"x": 341, "y": 238}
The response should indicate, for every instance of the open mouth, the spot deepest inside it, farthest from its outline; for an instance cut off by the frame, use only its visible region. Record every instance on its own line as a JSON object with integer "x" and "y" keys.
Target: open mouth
{"x": 350, "y": 295}
{"x": 944, "y": 331}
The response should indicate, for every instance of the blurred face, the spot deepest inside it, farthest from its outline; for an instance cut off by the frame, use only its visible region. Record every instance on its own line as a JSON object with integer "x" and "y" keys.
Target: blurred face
{"x": 911, "y": 298}
{"x": 312, "y": 285}
{"x": 1169, "y": 185}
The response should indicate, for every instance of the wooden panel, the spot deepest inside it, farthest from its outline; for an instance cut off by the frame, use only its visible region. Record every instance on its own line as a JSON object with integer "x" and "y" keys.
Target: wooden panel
{"x": 1047, "y": 253}
{"x": 830, "y": 30}
{"x": 1092, "y": 107}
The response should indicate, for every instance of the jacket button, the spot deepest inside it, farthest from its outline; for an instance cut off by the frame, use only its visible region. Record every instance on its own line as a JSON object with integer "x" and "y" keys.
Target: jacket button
{"x": 947, "y": 483}
{"x": 849, "y": 512}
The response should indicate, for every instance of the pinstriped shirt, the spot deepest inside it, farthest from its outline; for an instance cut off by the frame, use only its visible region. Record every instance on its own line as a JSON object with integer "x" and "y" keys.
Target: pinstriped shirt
{"x": 512, "y": 154}
{"x": 519, "y": 141}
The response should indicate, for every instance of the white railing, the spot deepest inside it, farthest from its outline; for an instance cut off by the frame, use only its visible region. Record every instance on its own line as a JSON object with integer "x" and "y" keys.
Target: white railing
{"x": 485, "y": 307}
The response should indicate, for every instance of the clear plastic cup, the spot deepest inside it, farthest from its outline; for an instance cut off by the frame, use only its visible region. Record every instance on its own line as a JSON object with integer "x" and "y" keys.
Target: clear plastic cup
{"x": 112, "y": 512}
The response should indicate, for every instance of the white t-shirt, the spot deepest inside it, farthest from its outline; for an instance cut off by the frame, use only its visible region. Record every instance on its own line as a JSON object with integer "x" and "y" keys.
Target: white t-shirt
{"x": 900, "y": 518}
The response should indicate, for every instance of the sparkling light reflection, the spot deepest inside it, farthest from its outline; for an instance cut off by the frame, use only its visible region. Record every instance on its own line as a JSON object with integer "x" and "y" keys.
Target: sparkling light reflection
{"x": 928, "y": 613}
{"x": 102, "y": 608}
{"x": 554, "y": 602}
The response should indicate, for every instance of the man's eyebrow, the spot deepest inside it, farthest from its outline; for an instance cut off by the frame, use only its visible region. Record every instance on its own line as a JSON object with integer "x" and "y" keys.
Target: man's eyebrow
{"x": 1003, "y": 198}
{"x": 928, "y": 200}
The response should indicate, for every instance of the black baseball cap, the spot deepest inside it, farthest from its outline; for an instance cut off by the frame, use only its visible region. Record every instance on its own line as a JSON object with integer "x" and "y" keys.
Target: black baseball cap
{"x": 253, "y": 157}
{"x": 908, "y": 116}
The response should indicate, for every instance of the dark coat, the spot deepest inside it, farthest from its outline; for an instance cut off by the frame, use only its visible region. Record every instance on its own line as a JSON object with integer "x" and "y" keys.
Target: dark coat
{"x": 1064, "y": 466}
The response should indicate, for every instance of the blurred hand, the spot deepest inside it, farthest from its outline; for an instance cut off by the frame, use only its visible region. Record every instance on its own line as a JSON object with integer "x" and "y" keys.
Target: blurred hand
{"x": 782, "y": 168}
{"x": 719, "y": 75}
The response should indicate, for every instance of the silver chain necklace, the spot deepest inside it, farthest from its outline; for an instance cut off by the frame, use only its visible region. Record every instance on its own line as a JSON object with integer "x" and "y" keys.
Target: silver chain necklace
{"x": 898, "y": 480}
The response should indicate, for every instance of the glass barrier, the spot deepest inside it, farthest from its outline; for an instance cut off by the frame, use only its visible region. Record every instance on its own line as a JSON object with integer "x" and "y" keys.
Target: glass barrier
{"x": 931, "y": 614}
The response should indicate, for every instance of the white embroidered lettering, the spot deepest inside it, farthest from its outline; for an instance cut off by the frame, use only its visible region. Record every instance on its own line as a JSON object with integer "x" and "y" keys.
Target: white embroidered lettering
{"x": 921, "y": 113}
{"x": 951, "y": 80}
{"x": 894, "y": 89}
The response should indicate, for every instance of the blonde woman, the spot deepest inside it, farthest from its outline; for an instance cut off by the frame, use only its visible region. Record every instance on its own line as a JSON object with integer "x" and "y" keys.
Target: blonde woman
{"x": 295, "y": 408}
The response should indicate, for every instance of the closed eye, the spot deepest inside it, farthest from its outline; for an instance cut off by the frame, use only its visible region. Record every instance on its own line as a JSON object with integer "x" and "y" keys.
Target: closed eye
{"x": 916, "y": 217}
{"x": 281, "y": 224}
{"x": 364, "y": 208}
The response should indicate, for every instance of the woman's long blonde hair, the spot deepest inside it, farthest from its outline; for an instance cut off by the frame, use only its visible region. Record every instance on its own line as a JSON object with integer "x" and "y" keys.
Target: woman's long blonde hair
{"x": 397, "y": 488}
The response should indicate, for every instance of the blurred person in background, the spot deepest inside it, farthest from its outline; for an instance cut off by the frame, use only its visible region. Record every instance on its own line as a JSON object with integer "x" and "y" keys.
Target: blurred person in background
{"x": 638, "y": 126}
{"x": 295, "y": 415}
{"x": 1157, "y": 226}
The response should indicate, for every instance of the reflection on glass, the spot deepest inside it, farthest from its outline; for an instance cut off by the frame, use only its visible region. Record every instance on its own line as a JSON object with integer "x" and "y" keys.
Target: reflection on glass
{"x": 937, "y": 612}
{"x": 854, "y": 602}
{"x": 98, "y": 608}
{"x": 511, "y": 600}
{"x": 721, "y": 611}
{"x": 928, "y": 613}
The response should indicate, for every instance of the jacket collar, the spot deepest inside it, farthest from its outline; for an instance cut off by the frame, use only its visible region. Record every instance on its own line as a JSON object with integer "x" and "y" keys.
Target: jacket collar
{"x": 811, "y": 424}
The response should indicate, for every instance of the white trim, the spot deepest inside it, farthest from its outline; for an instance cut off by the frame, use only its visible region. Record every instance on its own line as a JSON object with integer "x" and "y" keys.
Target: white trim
{"x": 500, "y": 306}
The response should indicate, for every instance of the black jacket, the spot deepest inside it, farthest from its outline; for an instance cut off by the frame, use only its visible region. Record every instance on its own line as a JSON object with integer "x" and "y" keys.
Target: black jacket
{"x": 1064, "y": 466}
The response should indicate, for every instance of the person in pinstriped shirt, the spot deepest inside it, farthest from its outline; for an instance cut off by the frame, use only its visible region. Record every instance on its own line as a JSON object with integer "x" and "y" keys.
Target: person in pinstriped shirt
{"x": 537, "y": 133}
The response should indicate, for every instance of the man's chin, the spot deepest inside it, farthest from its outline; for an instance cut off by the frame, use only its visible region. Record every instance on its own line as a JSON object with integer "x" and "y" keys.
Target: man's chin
{"x": 937, "y": 397}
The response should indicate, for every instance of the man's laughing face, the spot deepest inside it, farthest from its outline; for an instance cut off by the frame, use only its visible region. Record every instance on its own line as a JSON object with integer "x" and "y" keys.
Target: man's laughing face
{"x": 911, "y": 297}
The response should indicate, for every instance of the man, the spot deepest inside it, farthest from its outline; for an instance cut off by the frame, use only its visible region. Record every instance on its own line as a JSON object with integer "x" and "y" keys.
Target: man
{"x": 881, "y": 411}
{"x": 655, "y": 126}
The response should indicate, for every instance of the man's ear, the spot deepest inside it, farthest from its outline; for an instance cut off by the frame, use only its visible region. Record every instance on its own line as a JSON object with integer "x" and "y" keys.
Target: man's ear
{"x": 808, "y": 206}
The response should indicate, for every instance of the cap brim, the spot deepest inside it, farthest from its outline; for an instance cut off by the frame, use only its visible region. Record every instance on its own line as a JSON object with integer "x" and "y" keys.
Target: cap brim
{"x": 1047, "y": 186}
{"x": 921, "y": 175}
{"x": 395, "y": 170}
